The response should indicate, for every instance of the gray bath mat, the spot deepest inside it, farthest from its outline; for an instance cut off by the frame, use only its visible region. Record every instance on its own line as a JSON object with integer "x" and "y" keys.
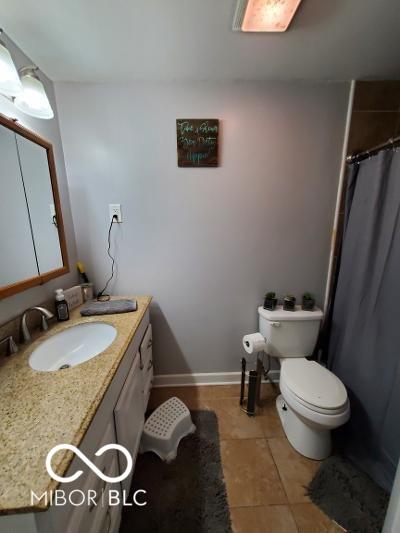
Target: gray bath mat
{"x": 187, "y": 495}
{"x": 349, "y": 496}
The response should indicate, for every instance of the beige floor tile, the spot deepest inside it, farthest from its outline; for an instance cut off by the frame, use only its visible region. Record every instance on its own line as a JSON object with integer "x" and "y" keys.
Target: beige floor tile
{"x": 269, "y": 391}
{"x": 224, "y": 400}
{"x": 295, "y": 470}
{"x": 270, "y": 519}
{"x": 199, "y": 395}
{"x": 196, "y": 397}
{"x": 221, "y": 391}
{"x": 159, "y": 395}
{"x": 310, "y": 519}
{"x": 191, "y": 396}
{"x": 269, "y": 394}
{"x": 233, "y": 422}
{"x": 270, "y": 421}
{"x": 251, "y": 477}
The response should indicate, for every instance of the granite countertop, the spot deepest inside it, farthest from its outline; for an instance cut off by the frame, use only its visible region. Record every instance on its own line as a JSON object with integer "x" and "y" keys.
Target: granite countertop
{"x": 39, "y": 410}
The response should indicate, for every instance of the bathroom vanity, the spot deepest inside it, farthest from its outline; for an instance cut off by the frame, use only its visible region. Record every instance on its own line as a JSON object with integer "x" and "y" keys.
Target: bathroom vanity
{"x": 101, "y": 401}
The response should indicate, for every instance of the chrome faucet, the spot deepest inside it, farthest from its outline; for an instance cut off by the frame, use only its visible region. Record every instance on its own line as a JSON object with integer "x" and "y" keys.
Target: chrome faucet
{"x": 12, "y": 347}
{"x": 46, "y": 315}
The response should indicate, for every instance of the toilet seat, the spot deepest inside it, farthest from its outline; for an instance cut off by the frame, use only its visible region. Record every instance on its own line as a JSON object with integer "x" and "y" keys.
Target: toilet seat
{"x": 311, "y": 411}
{"x": 313, "y": 386}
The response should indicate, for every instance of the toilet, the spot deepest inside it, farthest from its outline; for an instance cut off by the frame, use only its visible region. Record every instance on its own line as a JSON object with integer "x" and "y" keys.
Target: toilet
{"x": 313, "y": 401}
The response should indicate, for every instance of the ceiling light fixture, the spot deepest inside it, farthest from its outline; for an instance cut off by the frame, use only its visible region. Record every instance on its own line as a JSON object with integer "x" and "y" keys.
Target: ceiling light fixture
{"x": 10, "y": 84}
{"x": 33, "y": 100}
{"x": 264, "y": 15}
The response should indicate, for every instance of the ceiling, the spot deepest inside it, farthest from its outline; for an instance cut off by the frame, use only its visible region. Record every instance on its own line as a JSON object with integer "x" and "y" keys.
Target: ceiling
{"x": 120, "y": 40}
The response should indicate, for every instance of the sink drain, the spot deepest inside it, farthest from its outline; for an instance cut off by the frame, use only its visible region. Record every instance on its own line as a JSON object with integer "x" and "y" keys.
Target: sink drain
{"x": 62, "y": 367}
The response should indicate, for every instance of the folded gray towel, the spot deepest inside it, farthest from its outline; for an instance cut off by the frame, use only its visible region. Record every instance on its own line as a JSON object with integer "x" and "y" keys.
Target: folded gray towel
{"x": 109, "y": 308}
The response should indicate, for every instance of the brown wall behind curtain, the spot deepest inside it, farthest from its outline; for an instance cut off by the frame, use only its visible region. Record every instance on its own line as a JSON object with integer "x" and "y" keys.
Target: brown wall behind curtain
{"x": 375, "y": 119}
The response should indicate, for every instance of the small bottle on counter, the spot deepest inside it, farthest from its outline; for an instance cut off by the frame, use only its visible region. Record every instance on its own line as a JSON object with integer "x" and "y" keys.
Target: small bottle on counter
{"x": 62, "y": 311}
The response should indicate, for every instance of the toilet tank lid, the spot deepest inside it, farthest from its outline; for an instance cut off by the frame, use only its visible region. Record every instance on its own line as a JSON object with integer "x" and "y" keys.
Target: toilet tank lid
{"x": 279, "y": 315}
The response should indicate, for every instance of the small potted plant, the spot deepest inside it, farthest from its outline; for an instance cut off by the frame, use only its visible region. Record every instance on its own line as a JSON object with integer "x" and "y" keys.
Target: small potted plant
{"x": 270, "y": 301}
{"x": 289, "y": 303}
{"x": 308, "y": 302}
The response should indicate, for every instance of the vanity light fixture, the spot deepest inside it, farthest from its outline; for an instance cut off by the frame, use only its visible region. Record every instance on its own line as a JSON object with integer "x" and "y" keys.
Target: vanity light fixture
{"x": 264, "y": 15}
{"x": 33, "y": 99}
{"x": 10, "y": 84}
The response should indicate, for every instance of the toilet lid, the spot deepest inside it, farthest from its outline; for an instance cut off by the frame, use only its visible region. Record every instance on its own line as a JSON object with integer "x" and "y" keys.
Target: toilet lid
{"x": 313, "y": 383}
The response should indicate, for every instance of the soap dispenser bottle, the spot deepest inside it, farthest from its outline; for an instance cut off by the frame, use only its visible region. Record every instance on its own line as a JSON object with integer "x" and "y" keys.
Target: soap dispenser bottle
{"x": 62, "y": 311}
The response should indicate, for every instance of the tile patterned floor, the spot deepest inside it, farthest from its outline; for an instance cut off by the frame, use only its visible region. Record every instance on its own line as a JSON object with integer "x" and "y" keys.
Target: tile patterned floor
{"x": 265, "y": 477}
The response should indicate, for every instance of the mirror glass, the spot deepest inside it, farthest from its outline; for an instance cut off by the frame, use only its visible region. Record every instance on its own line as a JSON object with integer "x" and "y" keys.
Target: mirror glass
{"x": 40, "y": 202}
{"x": 18, "y": 260}
{"x": 32, "y": 242}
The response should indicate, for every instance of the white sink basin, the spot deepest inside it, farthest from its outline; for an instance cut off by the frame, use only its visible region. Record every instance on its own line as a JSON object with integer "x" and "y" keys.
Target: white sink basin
{"x": 73, "y": 346}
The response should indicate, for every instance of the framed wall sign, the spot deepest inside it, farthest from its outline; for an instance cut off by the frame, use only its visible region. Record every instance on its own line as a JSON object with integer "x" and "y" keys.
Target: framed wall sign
{"x": 197, "y": 142}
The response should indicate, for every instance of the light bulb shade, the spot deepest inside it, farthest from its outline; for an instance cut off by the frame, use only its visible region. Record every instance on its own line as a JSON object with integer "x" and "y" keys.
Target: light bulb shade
{"x": 33, "y": 99}
{"x": 10, "y": 84}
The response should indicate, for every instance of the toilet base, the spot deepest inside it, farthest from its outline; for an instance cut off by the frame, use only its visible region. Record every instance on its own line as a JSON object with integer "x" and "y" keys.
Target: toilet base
{"x": 312, "y": 442}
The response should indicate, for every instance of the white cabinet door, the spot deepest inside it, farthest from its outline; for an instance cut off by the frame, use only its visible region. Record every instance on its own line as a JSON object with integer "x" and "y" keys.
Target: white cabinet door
{"x": 83, "y": 518}
{"x": 97, "y": 514}
{"x": 129, "y": 415}
{"x": 146, "y": 356}
{"x": 146, "y": 351}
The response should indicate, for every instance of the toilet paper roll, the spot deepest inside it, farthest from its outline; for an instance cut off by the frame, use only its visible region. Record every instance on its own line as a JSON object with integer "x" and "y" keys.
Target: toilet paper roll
{"x": 254, "y": 342}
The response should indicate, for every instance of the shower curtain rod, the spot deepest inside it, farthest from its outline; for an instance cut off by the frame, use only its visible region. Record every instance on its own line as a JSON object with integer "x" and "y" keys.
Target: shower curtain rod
{"x": 367, "y": 153}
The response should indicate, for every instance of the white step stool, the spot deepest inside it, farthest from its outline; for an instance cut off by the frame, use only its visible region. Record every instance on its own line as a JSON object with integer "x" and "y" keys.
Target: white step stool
{"x": 165, "y": 428}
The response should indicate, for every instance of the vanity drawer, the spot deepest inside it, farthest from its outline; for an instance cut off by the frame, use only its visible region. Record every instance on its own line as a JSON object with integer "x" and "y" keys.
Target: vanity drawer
{"x": 146, "y": 351}
{"x": 147, "y": 384}
{"x": 97, "y": 517}
{"x": 84, "y": 516}
{"x": 146, "y": 357}
{"x": 111, "y": 521}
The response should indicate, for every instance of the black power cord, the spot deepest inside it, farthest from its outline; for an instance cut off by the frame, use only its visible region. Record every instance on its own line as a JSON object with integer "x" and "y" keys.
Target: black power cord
{"x": 102, "y": 296}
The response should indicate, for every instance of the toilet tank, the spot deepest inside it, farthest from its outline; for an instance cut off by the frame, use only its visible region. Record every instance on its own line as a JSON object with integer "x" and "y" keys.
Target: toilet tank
{"x": 290, "y": 333}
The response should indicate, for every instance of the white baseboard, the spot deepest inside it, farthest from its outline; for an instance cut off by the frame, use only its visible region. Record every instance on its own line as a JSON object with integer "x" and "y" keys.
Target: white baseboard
{"x": 215, "y": 378}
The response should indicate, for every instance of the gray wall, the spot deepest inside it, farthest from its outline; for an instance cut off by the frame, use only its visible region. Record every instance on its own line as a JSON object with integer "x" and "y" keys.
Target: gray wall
{"x": 206, "y": 243}
{"x": 49, "y": 129}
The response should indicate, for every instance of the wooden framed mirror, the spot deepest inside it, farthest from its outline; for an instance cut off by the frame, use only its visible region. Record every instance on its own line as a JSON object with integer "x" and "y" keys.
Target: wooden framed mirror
{"x": 33, "y": 248}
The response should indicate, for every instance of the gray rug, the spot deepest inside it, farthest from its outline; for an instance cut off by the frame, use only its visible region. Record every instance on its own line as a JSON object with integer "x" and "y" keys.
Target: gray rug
{"x": 349, "y": 496}
{"x": 187, "y": 495}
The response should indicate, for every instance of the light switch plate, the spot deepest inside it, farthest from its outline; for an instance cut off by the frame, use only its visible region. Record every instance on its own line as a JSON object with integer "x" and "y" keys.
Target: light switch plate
{"x": 115, "y": 209}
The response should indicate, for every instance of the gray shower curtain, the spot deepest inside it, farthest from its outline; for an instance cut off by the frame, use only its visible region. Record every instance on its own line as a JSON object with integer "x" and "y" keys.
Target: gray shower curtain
{"x": 364, "y": 347}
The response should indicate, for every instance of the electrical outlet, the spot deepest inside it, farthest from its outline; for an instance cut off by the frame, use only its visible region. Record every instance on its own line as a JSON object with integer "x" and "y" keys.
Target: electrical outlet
{"x": 115, "y": 209}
